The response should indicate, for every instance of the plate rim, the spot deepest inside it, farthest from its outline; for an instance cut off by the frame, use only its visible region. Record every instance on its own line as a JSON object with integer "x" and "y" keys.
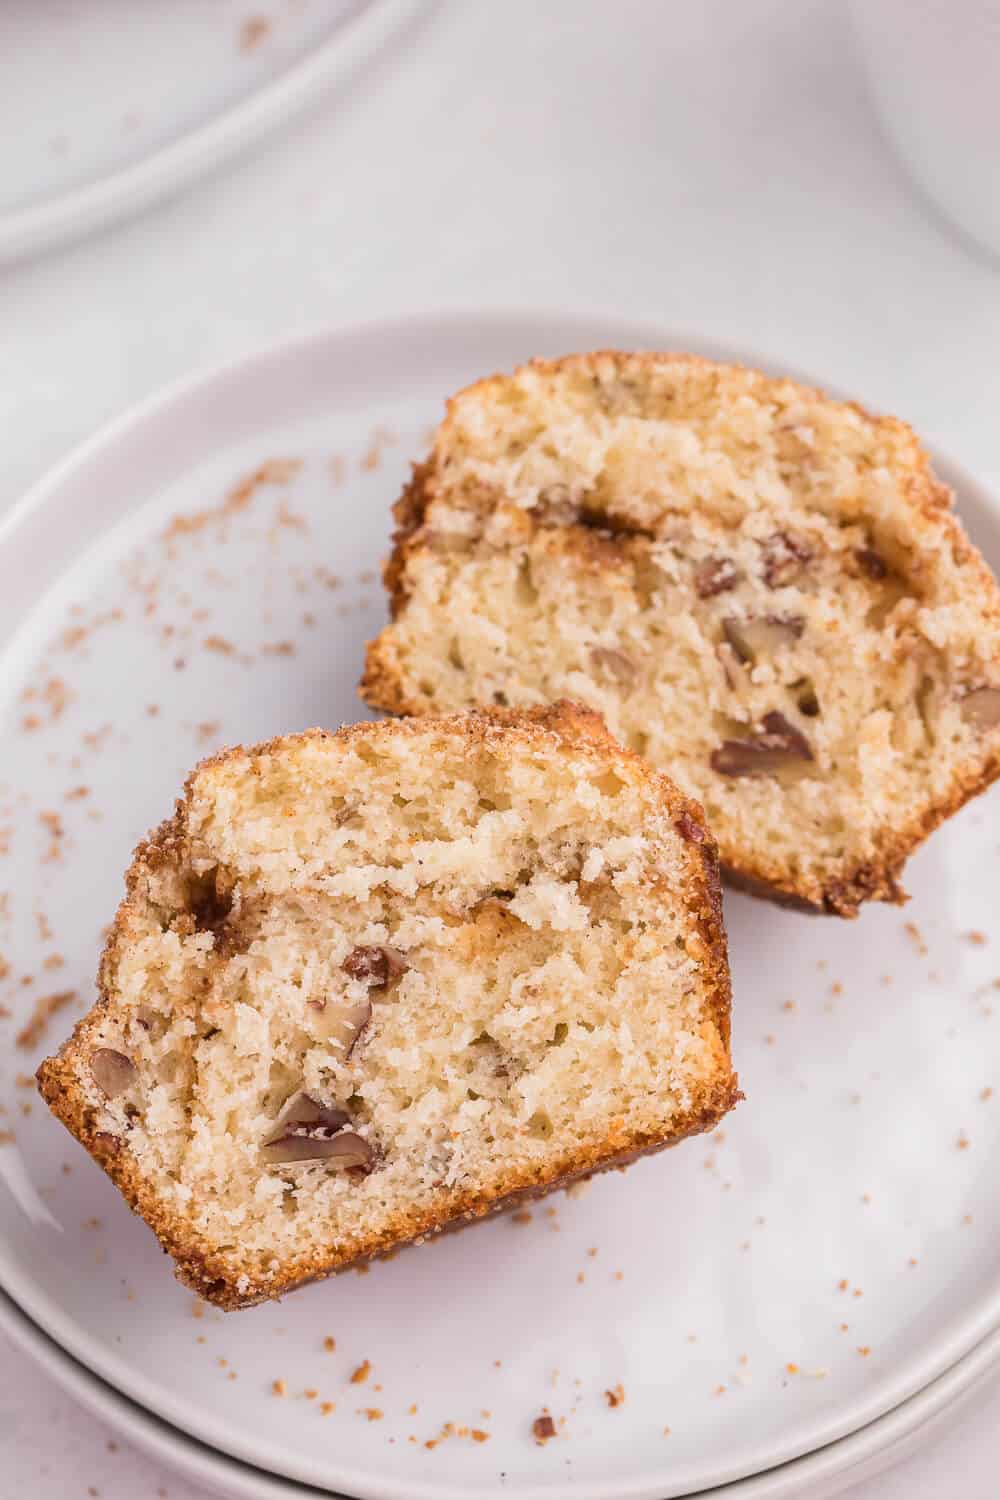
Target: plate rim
{"x": 537, "y": 322}
{"x": 181, "y": 162}
{"x": 826, "y": 1471}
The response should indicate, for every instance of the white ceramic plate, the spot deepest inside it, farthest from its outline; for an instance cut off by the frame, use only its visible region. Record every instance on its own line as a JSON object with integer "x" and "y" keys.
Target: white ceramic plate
{"x": 819, "y": 1475}
{"x": 853, "y": 1188}
{"x": 102, "y": 112}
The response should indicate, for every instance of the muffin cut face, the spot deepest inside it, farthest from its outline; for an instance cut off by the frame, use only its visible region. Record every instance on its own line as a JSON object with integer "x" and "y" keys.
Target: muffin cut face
{"x": 366, "y": 984}
{"x": 763, "y": 591}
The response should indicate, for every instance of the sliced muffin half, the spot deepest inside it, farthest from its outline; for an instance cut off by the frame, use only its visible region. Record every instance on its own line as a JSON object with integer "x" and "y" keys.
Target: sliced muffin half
{"x": 764, "y": 591}
{"x": 367, "y": 984}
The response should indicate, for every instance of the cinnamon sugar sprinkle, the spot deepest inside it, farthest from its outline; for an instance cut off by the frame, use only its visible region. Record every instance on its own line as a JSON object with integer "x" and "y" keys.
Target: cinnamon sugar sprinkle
{"x": 275, "y": 471}
{"x": 46, "y": 1007}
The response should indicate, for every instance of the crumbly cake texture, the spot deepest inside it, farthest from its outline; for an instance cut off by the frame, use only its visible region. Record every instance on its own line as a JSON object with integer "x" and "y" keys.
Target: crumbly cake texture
{"x": 763, "y": 591}
{"x": 365, "y": 985}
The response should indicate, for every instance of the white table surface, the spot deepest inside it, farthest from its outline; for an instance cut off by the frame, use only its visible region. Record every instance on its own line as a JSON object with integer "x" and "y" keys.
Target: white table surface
{"x": 715, "y": 168}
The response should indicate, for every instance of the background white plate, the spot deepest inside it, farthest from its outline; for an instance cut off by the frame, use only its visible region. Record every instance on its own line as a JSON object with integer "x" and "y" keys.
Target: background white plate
{"x": 853, "y": 1188}
{"x": 105, "y": 108}
{"x": 820, "y": 1475}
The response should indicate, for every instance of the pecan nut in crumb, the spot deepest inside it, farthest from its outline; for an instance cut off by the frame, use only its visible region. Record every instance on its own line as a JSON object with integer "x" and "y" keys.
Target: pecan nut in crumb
{"x": 777, "y": 746}
{"x": 716, "y": 575}
{"x": 689, "y": 828}
{"x": 980, "y": 708}
{"x": 112, "y": 1071}
{"x": 762, "y": 635}
{"x": 784, "y": 557}
{"x": 870, "y": 562}
{"x": 378, "y": 967}
{"x": 614, "y": 664}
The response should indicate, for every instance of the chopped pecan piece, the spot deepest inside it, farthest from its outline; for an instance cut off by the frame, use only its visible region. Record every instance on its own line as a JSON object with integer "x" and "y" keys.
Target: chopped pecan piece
{"x": 614, "y": 664}
{"x": 309, "y": 1131}
{"x": 344, "y": 1151}
{"x": 784, "y": 556}
{"x": 689, "y": 828}
{"x": 870, "y": 562}
{"x": 303, "y": 1115}
{"x": 378, "y": 967}
{"x": 980, "y": 708}
{"x": 777, "y": 746}
{"x": 751, "y": 639}
{"x": 342, "y": 1023}
{"x": 716, "y": 575}
{"x": 806, "y": 698}
{"x": 112, "y": 1071}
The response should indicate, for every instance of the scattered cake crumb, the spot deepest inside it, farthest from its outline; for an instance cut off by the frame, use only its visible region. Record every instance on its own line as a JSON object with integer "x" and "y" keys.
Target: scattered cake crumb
{"x": 913, "y": 932}
{"x": 361, "y": 1374}
{"x": 254, "y": 30}
{"x": 326, "y": 1407}
{"x": 279, "y": 1388}
{"x": 275, "y": 471}
{"x": 543, "y": 1428}
{"x": 977, "y": 939}
{"x": 616, "y": 1395}
{"x": 329, "y": 1344}
{"x": 219, "y": 643}
{"x": 523, "y": 1216}
{"x": 46, "y": 1007}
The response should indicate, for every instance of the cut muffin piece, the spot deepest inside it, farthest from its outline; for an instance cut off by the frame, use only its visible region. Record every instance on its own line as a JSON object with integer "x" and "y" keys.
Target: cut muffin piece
{"x": 762, "y": 590}
{"x": 366, "y": 984}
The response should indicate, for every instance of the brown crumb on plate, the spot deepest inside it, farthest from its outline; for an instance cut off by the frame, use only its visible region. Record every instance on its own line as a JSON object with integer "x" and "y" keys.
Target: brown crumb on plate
{"x": 543, "y": 1428}
{"x": 46, "y": 1006}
